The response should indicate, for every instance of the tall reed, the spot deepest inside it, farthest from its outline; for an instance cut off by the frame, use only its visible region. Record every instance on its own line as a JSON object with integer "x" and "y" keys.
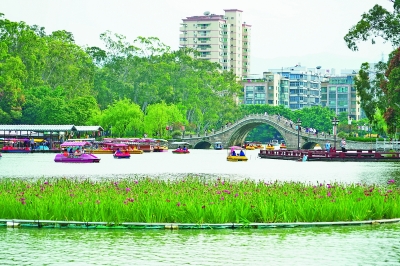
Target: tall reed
{"x": 194, "y": 200}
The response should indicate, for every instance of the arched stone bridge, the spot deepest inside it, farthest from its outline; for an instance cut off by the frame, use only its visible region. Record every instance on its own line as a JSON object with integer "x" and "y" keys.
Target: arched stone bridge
{"x": 235, "y": 134}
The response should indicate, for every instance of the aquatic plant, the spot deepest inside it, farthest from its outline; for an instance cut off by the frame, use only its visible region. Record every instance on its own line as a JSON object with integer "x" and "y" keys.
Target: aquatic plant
{"x": 195, "y": 200}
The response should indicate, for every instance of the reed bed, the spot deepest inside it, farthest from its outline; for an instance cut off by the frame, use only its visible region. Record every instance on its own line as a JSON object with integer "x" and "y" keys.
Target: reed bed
{"x": 195, "y": 200}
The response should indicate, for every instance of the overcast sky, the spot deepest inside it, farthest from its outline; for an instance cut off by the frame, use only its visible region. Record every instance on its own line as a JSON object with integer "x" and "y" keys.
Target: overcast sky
{"x": 284, "y": 32}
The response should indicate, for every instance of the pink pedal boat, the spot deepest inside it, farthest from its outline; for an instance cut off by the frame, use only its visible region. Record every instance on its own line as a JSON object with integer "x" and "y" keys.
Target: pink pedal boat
{"x": 73, "y": 153}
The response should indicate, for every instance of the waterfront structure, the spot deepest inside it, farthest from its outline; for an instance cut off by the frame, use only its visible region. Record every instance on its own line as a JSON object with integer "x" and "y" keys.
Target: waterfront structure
{"x": 339, "y": 94}
{"x": 223, "y": 39}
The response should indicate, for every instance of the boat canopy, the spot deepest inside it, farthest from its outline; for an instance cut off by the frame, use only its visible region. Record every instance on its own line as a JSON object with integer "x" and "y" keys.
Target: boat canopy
{"x": 115, "y": 144}
{"x": 75, "y": 143}
{"x": 236, "y": 148}
{"x": 160, "y": 140}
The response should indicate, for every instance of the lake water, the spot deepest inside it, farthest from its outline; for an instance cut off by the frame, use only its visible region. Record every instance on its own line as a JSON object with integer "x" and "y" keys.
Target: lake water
{"x": 350, "y": 245}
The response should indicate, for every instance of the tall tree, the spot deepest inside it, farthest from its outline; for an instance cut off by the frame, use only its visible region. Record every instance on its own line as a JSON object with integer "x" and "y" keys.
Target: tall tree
{"x": 123, "y": 117}
{"x": 378, "y": 88}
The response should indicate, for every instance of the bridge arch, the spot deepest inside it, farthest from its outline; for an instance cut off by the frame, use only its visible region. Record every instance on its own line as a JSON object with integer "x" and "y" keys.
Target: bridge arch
{"x": 235, "y": 134}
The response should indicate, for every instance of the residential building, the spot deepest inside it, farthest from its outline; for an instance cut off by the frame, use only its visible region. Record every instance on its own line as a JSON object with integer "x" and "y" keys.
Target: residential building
{"x": 304, "y": 85}
{"x": 223, "y": 39}
{"x": 340, "y": 95}
{"x": 262, "y": 90}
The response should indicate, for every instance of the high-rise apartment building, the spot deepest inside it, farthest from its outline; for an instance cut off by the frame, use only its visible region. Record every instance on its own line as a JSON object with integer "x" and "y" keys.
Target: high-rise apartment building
{"x": 223, "y": 39}
{"x": 262, "y": 90}
{"x": 304, "y": 86}
{"x": 339, "y": 94}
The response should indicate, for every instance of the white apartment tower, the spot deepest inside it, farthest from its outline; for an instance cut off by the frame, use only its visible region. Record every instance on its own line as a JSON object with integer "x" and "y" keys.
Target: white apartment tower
{"x": 223, "y": 39}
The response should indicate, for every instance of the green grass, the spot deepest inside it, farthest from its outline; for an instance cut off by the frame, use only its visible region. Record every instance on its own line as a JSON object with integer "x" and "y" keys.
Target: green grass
{"x": 194, "y": 200}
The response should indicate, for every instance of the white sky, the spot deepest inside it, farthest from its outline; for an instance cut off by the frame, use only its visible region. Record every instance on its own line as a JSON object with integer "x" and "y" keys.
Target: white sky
{"x": 284, "y": 32}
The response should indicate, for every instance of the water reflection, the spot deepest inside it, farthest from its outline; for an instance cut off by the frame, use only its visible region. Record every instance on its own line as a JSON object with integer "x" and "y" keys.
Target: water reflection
{"x": 200, "y": 162}
{"x": 362, "y": 245}
{"x": 366, "y": 245}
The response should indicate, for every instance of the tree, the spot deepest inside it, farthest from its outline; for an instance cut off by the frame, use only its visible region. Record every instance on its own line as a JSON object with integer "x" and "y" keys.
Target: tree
{"x": 378, "y": 89}
{"x": 378, "y": 22}
{"x": 12, "y": 74}
{"x": 160, "y": 115}
{"x": 123, "y": 117}
{"x": 316, "y": 117}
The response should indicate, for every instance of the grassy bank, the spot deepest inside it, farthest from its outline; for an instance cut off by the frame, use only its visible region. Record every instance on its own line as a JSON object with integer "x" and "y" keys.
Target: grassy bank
{"x": 195, "y": 200}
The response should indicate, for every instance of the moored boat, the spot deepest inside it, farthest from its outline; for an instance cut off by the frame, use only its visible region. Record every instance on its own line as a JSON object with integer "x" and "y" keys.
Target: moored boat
{"x": 160, "y": 145}
{"x": 109, "y": 146}
{"x": 15, "y": 145}
{"x": 74, "y": 152}
{"x": 321, "y": 155}
{"x": 236, "y": 154}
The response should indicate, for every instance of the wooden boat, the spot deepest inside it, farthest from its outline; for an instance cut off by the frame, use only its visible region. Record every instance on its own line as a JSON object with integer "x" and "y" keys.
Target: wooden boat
{"x": 321, "y": 155}
{"x": 236, "y": 154}
{"x": 182, "y": 147}
{"x": 75, "y": 155}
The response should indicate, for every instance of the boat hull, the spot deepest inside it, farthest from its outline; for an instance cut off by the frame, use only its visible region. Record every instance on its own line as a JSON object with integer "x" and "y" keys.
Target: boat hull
{"x": 122, "y": 156}
{"x": 111, "y": 151}
{"x": 233, "y": 158}
{"x": 160, "y": 149}
{"x": 180, "y": 152}
{"x": 84, "y": 158}
{"x": 320, "y": 155}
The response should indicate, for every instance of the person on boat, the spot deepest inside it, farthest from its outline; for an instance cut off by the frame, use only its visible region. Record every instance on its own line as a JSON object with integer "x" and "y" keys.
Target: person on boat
{"x": 184, "y": 148}
{"x": 327, "y": 146}
{"x": 242, "y": 153}
{"x": 77, "y": 153}
{"x": 343, "y": 145}
{"x": 65, "y": 153}
{"x": 71, "y": 152}
{"x": 117, "y": 151}
{"x": 233, "y": 153}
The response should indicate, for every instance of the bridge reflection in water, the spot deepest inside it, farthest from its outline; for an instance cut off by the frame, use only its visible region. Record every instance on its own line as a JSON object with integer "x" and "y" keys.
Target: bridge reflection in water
{"x": 235, "y": 134}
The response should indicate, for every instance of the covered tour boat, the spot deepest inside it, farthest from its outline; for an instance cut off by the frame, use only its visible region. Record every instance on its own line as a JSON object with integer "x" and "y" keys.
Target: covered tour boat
{"x": 236, "y": 154}
{"x": 74, "y": 152}
{"x": 160, "y": 145}
{"x": 14, "y": 145}
{"x": 109, "y": 146}
{"x": 321, "y": 155}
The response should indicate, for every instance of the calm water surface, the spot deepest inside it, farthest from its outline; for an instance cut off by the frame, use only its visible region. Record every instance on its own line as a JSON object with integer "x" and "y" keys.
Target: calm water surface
{"x": 353, "y": 245}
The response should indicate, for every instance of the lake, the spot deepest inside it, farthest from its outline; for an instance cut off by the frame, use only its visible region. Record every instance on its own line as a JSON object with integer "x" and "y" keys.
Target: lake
{"x": 350, "y": 245}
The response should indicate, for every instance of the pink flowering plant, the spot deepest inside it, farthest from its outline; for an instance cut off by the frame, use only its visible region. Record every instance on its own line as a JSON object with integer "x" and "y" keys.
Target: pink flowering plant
{"x": 195, "y": 200}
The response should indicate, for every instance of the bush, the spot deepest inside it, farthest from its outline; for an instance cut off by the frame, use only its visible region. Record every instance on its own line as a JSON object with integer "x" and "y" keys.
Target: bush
{"x": 176, "y": 134}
